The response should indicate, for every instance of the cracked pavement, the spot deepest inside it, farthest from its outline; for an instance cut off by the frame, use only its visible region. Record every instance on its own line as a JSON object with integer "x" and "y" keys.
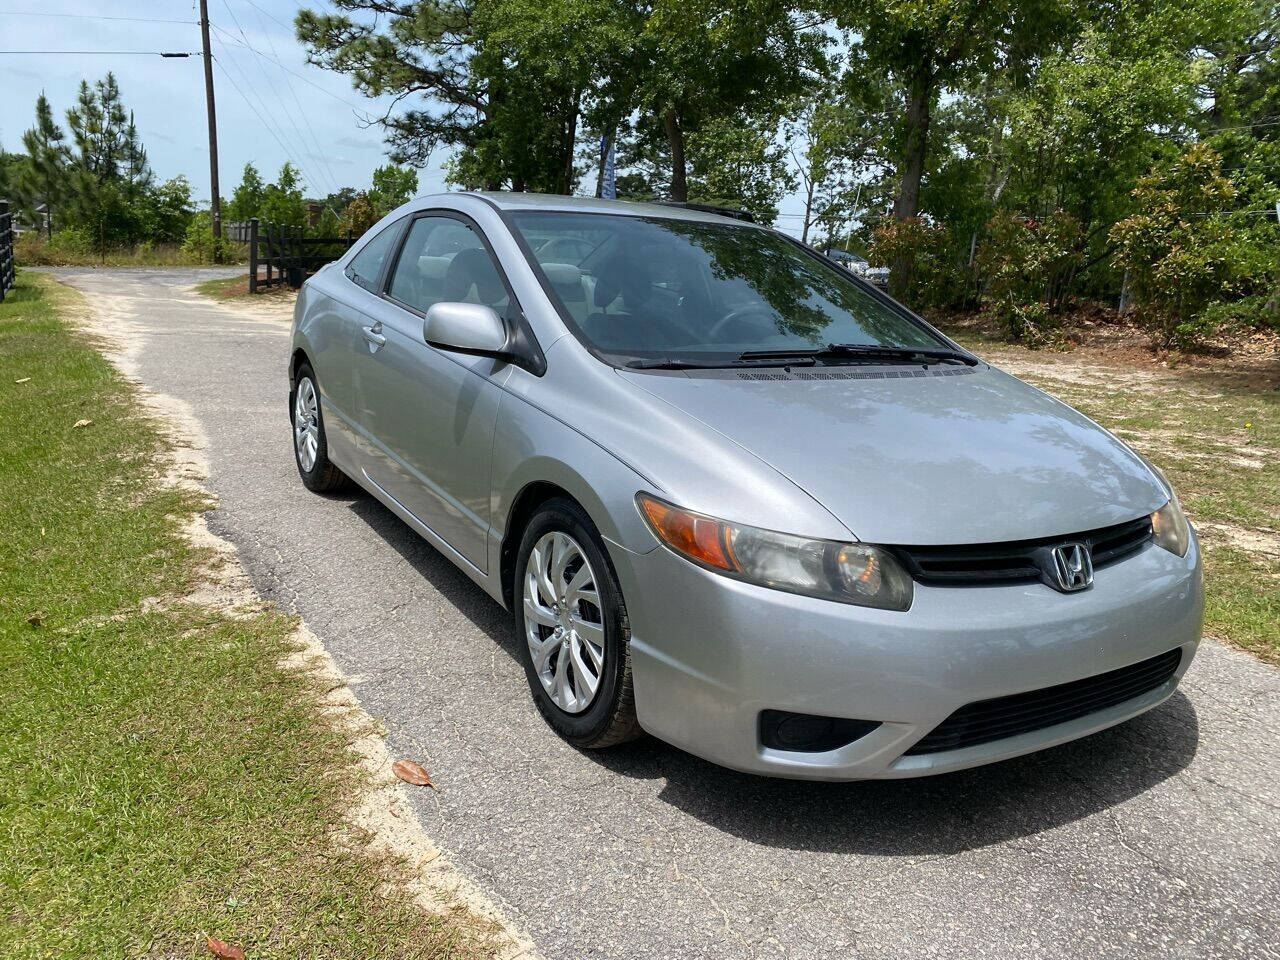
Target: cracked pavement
{"x": 1161, "y": 836}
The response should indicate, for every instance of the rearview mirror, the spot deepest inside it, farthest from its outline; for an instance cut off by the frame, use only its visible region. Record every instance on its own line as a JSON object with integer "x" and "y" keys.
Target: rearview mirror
{"x": 465, "y": 328}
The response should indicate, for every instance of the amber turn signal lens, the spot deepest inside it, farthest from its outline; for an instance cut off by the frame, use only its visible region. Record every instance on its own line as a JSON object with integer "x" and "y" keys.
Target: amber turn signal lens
{"x": 699, "y": 538}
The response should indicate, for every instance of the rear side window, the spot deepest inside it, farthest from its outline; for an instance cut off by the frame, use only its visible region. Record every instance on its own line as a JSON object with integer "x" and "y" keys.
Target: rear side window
{"x": 366, "y": 267}
{"x": 444, "y": 259}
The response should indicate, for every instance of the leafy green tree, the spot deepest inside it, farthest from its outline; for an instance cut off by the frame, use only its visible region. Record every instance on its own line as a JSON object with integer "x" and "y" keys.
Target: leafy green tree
{"x": 834, "y": 133}
{"x": 337, "y": 201}
{"x": 42, "y": 179}
{"x": 168, "y": 211}
{"x": 392, "y": 186}
{"x": 359, "y": 215}
{"x": 248, "y": 198}
{"x": 282, "y": 203}
{"x": 737, "y": 165}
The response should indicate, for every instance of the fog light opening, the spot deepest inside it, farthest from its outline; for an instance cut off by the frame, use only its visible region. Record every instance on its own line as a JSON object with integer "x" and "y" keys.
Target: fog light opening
{"x": 808, "y": 733}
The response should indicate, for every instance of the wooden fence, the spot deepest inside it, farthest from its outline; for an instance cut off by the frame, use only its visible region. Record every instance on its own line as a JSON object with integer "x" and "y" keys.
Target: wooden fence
{"x": 288, "y": 254}
{"x": 6, "y": 249}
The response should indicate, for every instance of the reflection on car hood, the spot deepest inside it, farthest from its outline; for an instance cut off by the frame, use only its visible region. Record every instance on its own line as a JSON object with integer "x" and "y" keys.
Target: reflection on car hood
{"x": 968, "y": 457}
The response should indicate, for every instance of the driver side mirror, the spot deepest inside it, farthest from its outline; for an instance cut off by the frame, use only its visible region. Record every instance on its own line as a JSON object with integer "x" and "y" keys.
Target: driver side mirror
{"x": 465, "y": 328}
{"x": 476, "y": 329}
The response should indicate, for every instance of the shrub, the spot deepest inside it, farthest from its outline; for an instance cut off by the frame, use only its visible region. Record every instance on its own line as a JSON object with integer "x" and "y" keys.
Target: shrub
{"x": 935, "y": 277}
{"x": 1026, "y": 265}
{"x": 201, "y": 247}
{"x": 1187, "y": 248}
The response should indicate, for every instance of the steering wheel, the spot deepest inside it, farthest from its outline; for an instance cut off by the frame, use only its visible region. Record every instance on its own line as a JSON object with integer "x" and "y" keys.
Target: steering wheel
{"x": 740, "y": 315}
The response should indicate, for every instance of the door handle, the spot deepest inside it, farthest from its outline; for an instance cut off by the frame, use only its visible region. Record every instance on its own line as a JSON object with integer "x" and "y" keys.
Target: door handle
{"x": 375, "y": 338}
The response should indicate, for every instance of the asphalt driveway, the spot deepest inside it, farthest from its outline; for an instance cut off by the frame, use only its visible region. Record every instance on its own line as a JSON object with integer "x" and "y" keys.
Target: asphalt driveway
{"x": 1160, "y": 837}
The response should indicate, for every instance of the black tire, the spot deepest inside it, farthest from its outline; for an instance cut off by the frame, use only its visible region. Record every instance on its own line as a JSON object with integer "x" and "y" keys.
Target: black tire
{"x": 323, "y": 477}
{"x": 611, "y": 717}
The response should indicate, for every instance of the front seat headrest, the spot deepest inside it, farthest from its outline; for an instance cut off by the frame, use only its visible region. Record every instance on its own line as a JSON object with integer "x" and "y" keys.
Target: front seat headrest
{"x": 623, "y": 276}
{"x": 473, "y": 268}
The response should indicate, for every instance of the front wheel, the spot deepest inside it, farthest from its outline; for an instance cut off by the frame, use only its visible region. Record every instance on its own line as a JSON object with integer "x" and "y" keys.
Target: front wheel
{"x": 574, "y": 637}
{"x": 310, "y": 448}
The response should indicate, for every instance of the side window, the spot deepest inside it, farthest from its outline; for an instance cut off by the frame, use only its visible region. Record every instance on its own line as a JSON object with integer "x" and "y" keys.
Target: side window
{"x": 366, "y": 267}
{"x": 444, "y": 259}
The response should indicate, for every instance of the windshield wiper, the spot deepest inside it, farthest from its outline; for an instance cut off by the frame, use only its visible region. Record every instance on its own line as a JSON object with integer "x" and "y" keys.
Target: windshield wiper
{"x": 871, "y": 352}
{"x": 667, "y": 363}
{"x": 674, "y": 363}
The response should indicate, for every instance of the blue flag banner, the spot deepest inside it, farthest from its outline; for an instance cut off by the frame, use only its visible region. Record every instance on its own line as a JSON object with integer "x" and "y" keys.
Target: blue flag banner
{"x": 609, "y": 186}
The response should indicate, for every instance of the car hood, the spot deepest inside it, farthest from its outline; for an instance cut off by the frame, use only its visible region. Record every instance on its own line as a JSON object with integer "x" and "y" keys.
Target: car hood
{"x": 904, "y": 456}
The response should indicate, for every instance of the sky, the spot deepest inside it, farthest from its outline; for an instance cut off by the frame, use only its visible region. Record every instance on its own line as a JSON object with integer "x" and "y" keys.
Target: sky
{"x": 271, "y": 105}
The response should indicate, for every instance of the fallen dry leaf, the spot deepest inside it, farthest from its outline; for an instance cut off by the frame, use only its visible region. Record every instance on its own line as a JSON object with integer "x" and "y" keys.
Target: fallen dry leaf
{"x": 36, "y": 619}
{"x": 227, "y": 951}
{"x": 414, "y": 773}
{"x": 23, "y": 380}
{"x": 81, "y": 423}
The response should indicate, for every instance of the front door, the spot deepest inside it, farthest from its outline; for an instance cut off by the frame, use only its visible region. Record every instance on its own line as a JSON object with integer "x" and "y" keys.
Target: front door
{"x": 430, "y": 414}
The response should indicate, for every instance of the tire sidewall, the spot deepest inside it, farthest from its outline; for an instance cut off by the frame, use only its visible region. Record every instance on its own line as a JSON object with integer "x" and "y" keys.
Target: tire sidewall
{"x": 580, "y": 729}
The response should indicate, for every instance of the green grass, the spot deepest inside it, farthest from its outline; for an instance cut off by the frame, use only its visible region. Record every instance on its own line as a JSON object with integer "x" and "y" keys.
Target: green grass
{"x": 162, "y": 778}
{"x": 237, "y": 288}
{"x": 1217, "y": 436}
{"x": 221, "y": 288}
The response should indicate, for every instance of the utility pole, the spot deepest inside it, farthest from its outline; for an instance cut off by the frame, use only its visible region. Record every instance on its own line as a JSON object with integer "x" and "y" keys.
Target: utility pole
{"x": 215, "y": 203}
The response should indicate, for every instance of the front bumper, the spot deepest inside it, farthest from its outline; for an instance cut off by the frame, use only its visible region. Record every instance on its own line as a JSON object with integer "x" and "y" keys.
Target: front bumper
{"x": 710, "y": 653}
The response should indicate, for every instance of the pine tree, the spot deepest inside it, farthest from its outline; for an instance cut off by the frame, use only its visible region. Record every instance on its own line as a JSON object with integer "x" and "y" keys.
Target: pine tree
{"x": 42, "y": 178}
{"x": 110, "y": 174}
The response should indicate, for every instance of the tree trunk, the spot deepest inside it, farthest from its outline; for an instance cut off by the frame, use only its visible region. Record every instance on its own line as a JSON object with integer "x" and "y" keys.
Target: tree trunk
{"x": 571, "y": 136}
{"x": 675, "y": 139}
{"x": 919, "y": 102}
{"x": 907, "y": 204}
{"x": 808, "y": 211}
{"x": 606, "y": 141}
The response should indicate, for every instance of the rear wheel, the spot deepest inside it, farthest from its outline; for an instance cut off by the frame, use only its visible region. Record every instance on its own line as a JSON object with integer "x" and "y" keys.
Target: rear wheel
{"x": 574, "y": 637}
{"x": 310, "y": 448}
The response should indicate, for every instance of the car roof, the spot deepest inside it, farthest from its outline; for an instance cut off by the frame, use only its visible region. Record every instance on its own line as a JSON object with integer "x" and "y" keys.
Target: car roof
{"x": 507, "y": 200}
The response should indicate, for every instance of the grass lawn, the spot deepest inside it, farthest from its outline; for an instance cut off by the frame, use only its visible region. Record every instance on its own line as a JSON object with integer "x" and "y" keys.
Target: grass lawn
{"x": 162, "y": 778}
{"x": 1216, "y": 434}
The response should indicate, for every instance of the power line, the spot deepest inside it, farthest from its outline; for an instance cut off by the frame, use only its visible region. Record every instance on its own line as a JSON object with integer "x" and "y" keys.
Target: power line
{"x": 301, "y": 140}
{"x": 92, "y": 16}
{"x": 277, "y": 132}
{"x": 271, "y": 15}
{"x": 270, "y": 86}
{"x": 354, "y": 106}
{"x": 261, "y": 119}
{"x": 95, "y": 53}
{"x": 329, "y": 173}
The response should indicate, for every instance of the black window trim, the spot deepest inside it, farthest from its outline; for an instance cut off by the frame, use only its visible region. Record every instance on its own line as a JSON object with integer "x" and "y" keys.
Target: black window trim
{"x": 396, "y": 241}
{"x": 554, "y": 299}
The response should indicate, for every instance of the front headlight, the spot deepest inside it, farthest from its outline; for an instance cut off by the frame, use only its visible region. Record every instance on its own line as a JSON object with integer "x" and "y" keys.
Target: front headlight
{"x": 1169, "y": 524}
{"x": 848, "y": 572}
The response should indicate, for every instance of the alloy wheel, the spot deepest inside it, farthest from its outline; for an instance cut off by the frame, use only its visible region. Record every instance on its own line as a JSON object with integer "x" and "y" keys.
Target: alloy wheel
{"x": 306, "y": 424}
{"x": 563, "y": 621}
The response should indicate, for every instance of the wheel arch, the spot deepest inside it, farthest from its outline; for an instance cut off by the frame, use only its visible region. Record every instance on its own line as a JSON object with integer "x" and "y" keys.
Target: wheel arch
{"x": 296, "y": 360}
{"x": 525, "y": 504}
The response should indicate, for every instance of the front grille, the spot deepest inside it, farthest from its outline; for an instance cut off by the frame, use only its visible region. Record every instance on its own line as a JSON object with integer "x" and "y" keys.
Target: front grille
{"x": 1020, "y": 561}
{"x": 1003, "y": 717}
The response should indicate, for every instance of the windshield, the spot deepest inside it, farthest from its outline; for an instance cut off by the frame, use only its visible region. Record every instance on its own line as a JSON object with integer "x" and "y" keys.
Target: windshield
{"x": 643, "y": 287}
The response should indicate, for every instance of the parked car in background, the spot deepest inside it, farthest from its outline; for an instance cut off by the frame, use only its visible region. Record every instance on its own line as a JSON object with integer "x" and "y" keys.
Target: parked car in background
{"x": 859, "y": 267}
{"x": 735, "y": 496}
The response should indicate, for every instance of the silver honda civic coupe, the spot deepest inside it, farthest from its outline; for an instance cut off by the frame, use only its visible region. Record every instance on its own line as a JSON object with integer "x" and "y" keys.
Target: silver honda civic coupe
{"x": 734, "y": 496}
